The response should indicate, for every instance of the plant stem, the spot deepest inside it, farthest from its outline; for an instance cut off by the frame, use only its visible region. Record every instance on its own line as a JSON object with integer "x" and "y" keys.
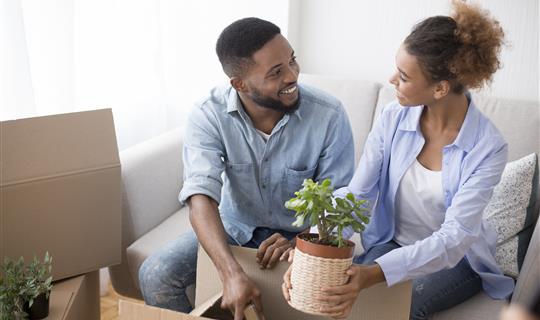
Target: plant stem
{"x": 323, "y": 234}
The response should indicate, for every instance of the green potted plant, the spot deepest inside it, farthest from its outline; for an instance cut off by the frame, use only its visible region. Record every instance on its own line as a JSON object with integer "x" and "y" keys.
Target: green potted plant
{"x": 38, "y": 287}
{"x": 12, "y": 290}
{"x": 321, "y": 259}
{"x": 25, "y": 290}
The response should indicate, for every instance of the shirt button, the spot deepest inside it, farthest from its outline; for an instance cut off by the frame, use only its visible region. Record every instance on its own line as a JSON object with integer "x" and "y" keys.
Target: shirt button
{"x": 264, "y": 186}
{"x": 266, "y": 160}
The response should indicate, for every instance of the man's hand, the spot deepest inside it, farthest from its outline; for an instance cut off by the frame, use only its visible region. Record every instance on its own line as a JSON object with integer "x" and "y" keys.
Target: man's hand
{"x": 275, "y": 248}
{"x": 343, "y": 297}
{"x": 238, "y": 292}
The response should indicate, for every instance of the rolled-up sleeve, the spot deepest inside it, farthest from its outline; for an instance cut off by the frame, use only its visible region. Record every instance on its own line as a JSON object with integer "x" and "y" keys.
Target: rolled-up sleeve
{"x": 461, "y": 228}
{"x": 203, "y": 155}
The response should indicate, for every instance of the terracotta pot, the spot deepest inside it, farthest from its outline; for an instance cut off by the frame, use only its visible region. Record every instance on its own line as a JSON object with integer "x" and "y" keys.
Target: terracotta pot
{"x": 316, "y": 266}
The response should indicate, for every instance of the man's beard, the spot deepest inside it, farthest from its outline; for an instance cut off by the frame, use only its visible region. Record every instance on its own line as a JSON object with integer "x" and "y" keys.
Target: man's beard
{"x": 274, "y": 104}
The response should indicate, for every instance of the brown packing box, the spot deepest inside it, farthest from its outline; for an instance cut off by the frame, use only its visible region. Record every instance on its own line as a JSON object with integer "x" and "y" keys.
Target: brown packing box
{"x": 76, "y": 298}
{"x": 210, "y": 309}
{"x": 376, "y": 303}
{"x": 60, "y": 191}
{"x": 128, "y": 310}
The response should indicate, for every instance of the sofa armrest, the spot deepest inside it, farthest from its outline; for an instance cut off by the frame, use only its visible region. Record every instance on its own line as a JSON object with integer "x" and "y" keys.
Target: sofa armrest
{"x": 529, "y": 275}
{"x": 151, "y": 180}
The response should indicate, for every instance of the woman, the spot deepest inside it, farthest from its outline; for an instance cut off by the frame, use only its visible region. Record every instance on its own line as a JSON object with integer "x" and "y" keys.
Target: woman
{"x": 431, "y": 163}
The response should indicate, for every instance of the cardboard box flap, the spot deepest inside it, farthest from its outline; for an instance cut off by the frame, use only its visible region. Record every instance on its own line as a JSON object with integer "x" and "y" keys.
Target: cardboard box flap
{"x": 203, "y": 307}
{"x": 376, "y": 303}
{"x": 43, "y": 147}
{"x": 128, "y": 310}
{"x": 75, "y": 298}
{"x": 208, "y": 310}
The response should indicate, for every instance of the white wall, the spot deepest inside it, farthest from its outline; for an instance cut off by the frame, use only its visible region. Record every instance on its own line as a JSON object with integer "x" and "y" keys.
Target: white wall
{"x": 360, "y": 38}
{"x": 148, "y": 60}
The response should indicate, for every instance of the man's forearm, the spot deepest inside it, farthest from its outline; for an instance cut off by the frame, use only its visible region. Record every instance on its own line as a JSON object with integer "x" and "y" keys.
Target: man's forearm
{"x": 207, "y": 224}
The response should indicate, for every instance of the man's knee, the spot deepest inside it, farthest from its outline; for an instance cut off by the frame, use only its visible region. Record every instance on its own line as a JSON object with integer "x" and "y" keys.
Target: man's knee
{"x": 146, "y": 275}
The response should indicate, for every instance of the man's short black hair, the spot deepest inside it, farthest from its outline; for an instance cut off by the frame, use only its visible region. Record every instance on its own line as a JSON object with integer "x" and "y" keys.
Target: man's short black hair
{"x": 240, "y": 40}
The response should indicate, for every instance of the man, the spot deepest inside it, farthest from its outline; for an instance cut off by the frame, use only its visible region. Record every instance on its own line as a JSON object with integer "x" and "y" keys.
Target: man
{"x": 267, "y": 134}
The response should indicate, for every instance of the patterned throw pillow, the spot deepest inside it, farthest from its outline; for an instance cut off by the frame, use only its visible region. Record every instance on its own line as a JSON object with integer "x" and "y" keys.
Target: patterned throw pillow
{"x": 511, "y": 212}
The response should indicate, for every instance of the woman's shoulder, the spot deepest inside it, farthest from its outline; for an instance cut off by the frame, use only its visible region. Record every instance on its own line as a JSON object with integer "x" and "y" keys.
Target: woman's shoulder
{"x": 393, "y": 114}
{"x": 487, "y": 131}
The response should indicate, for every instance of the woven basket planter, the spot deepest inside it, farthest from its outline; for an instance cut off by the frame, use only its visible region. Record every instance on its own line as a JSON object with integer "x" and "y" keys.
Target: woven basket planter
{"x": 314, "y": 267}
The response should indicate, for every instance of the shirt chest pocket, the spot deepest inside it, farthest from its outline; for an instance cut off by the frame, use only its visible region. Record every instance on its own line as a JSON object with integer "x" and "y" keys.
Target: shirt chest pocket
{"x": 293, "y": 179}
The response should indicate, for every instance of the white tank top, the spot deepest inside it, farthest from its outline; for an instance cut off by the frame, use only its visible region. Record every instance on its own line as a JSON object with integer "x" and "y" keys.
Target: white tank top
{"x": 419, "y": 204}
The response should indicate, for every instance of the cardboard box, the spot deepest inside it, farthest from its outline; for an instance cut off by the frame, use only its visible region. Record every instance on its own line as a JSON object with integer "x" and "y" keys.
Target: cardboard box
{"x": 76, "y": 298}
{"x": 128, "y": 310}
{"x": 60, "y": 191}
{"x": 376, "y": 303}
{"x": 208, "y": 310}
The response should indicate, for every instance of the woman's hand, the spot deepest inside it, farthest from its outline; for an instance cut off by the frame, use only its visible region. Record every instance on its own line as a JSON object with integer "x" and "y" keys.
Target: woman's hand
{"x": 286, "y": 286}
{"x": 342, "y": 297}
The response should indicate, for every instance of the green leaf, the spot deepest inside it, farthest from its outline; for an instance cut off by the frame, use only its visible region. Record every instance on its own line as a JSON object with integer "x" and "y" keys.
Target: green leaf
{"x": 315, "y": 203}
{"x": 326, "y": 183}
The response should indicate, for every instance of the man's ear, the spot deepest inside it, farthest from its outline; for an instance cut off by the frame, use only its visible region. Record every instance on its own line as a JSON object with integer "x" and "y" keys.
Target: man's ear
{"x": 442, "y": 88}
{"x": 238, "y": 84}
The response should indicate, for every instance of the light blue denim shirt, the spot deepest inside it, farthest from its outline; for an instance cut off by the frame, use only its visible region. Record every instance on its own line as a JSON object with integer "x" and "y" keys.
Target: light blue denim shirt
{"x": 471, "y": 167}
{"x": 226, "y": 158}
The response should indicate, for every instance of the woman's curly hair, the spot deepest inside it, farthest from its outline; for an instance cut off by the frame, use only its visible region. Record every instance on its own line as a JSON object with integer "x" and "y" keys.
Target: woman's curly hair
{"x": 462, "y": 49}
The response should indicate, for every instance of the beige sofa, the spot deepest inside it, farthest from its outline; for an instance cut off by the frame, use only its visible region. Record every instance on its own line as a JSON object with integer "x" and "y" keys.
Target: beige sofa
{"x": 152, "y": 179}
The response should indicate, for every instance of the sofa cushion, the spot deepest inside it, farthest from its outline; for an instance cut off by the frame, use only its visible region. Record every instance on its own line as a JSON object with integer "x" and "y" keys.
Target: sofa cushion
{"x": 479, "y": 307}
{"x": 511, "y": 212}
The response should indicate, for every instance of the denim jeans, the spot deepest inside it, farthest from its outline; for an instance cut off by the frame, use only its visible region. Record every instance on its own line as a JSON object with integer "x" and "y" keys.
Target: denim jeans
{"x": 165, "y": 275}
{"x": 434, "y": 292}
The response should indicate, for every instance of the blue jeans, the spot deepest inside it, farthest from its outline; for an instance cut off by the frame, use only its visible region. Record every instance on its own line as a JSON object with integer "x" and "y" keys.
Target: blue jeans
{"x": 165, "y": 275}
{"x": 435, "y": 292}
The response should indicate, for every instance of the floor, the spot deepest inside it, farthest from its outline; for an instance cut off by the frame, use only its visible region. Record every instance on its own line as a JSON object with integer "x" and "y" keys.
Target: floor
{"x": 109, "y": 304}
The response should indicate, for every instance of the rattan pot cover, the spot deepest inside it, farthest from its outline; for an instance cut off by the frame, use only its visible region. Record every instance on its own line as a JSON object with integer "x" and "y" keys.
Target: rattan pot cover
{"x": 314, "y": 267}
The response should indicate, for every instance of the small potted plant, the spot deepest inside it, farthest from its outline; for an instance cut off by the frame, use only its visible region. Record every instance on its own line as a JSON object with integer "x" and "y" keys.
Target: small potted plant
{"x": 12, "y": 290}
{"x": 38, "y": 287}
{"x": 25, "y": 290}
{"x": 322, "y": 259}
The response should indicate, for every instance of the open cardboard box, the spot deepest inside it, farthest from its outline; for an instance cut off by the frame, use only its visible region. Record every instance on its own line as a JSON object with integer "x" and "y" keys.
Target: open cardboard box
{"x": 60, "y": 191}
{"x": 210, "y": 309}
{"x": 376, "y": 303}
{"x": 75, "y": 298}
